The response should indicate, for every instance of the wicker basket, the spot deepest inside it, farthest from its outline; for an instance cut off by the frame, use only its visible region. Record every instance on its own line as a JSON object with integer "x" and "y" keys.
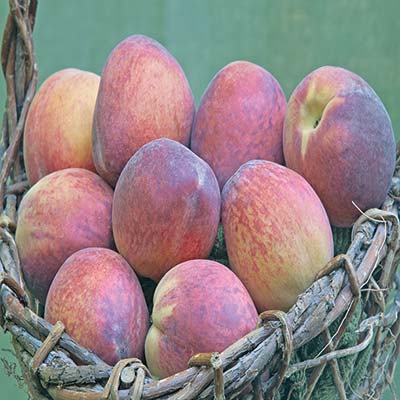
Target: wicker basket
{"x": 364, "y": 278}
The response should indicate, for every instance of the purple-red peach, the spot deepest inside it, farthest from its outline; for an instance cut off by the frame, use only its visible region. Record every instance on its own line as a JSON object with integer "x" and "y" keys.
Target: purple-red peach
{"x": 58, "y": 129}
{"x": 64, "y": 212}
{"x": 143, "y": 95}
{"x": 277, "y": 233}
{"x": 166, "y": 208}
{"x": 338, "y": 135}
{"x": 199, "y": 306}
{"x": 240, "y": 118}
{"x": 98, "y": 298}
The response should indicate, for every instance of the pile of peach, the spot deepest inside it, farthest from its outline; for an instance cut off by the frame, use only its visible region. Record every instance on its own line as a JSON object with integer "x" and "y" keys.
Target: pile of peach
{"x": 128, "y": 180}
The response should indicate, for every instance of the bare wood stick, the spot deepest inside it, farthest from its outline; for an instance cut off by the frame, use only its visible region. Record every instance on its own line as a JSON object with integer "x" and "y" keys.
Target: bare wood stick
{"x": 14, "y": 286}
{"x": 47, "y": 346}
{"x": 110, "y": 390}
{"x": 7, "y": 264}
{"x": 11, "y": 152}
{"x": 79, "y": 375}
{"x": 287, "y": 334}
{"x": 31, "y": 16}
{"x": 11, "y": 109}
{"x": 18, "y": 187}
{"x": 377, "y": 294}
{"x": 257, "y": 389}
{"x": 20, "y": 70}
{"x": 375, "y": 356}
{"x": 392, "y": 362}
{"x": 337, "y": 378}
{"x": 200, "y": 360}
{"x": 8, "y": 239}
{"x": 12, "y": 98}
{"x": 389, "y": 267}
{"x": 11, "y": 210}
{"x": 4, "y": 135}
{"x": 24, "y": 31}
{"x": 331, "y": 356}
{"x": 212, "y": 360}
{"x": 394, "y": 323}
{"x": 63, "y": 394}
{"x": 31, "y": 345}
{"x": 8, "y": 249}
{"x": 8, "y": 33}
{"x": 128, "y": 376}
{"x": 380, "y": 383}
{"x": 137, "y": 389}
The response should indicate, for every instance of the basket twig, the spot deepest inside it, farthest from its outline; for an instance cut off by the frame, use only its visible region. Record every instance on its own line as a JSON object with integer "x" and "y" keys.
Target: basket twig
{"x": 20, "y": 71}
{"x": 51, "y": 369}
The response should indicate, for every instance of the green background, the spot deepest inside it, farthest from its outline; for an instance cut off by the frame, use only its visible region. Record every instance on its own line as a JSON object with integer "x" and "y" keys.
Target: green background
{"x": 288, "y": 38}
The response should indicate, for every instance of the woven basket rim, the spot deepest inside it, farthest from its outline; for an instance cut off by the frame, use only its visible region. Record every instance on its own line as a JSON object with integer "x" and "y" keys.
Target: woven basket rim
{"x": 44, "y": 351}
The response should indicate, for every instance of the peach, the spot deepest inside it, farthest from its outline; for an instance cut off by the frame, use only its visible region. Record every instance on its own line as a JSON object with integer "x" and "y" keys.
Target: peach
{"x": 277, "y": 233}
{"x": 143, "y": 95}
{"x": 338, "y": 135}
{"x": 199, "y": 306}
{"x": 240, "y": 118}
{"x": 64, "y": 212}
{"x": 58, "y": 129}
{"x": 98, "y": 298}
{"x": 166, "y": 208}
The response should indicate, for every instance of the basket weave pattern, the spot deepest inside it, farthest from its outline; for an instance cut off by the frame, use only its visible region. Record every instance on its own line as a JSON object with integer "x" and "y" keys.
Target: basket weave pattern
{"x": 54, "y": 366}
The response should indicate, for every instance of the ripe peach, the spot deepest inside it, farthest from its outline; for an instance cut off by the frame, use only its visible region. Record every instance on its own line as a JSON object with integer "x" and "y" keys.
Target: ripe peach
{"x": 143, "y": 95}
{"x": 58, "y": 129}
{"x": 338, "y": 135}
{"x": 98, "y": 298}
{"x": 277, "y": 232}
{"x": 199, "y": 306}
{"x": 240, "y": 118}
{"x": 64, "y": 212}
{"x": 166, "y": 208}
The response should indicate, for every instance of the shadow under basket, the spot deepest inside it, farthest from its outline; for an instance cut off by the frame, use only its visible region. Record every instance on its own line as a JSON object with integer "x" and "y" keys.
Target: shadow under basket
{"x": 340, "y": 340}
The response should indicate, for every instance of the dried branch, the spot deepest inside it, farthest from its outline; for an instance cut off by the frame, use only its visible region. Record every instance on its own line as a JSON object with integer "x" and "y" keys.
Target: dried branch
{"x": 374, "y": 248}
{"x": 18, "y": 187}
{"x": 336, "y": 354}
{"x": 19, "y": 66}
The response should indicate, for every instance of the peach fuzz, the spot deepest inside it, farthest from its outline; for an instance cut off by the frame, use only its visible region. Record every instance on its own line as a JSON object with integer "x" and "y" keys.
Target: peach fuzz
{"x": 338, "y": 135}
{"x": 166, "y": 208}
{"x": 277, "y": 233}
{"x": 143, "y": 95}
{"x": 240, "y": 118}
{"x": 98, "y": 298}
{"x": 64, "y": 212}
{"x": 199, "y": 306}
{"x": 58, "y": 129}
